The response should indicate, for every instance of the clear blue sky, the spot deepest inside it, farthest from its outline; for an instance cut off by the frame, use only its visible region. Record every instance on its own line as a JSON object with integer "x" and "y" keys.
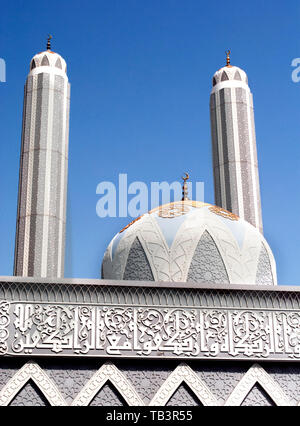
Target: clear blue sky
{"x": 141, "y": 77}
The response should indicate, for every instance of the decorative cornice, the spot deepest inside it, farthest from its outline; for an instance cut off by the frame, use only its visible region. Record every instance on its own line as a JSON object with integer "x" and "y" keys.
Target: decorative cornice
{"x": 138, "y": 293}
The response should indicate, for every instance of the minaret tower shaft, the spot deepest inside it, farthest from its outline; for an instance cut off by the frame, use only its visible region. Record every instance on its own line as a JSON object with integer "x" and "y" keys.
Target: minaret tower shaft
{"x": 235, "y": 166}
{"x": 41, "y": 216}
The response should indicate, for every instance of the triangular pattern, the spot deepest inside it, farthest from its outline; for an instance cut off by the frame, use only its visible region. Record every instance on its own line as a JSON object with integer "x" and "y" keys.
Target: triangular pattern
{"x": 237, "y": 76}
{"x": 207, "y": 264}
{"x": 108, "y": 372}
{"x": 264, "y": 270}
{"x": 256, "y": 374}
{"x": 224, "y": 76}
{"x": 31, "y": 371}
{"x": 183, "y": 374}
{"x": 29, "y": 395}
{"x": 58, "y": 63}
{"x": 108, "y": 395}
{"x": 137, "y": 265}
{"x": 183, "y": 396}
{"x": 257, "y": 397}
{"x": 45, "y": 61}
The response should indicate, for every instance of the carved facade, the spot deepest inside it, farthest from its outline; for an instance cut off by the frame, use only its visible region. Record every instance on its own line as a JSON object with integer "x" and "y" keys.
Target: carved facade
{"x": 126, "y": 343}
{"x": 171, "y": 322}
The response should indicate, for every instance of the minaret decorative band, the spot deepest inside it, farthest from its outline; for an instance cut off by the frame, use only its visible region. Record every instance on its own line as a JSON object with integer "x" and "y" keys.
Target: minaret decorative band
{"x": 236, "y": 177}
{"x": 41, "y": 217}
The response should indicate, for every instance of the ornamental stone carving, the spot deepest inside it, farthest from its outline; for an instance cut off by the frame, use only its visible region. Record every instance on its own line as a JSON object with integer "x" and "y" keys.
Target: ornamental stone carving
{"x": 109, "y": 385}
{"x": 256, "y": 374}
{"x": 108, "y": 372}
{"x": 183, "y": 373}
{"x": 31, "y": 371}
{"x": 4, "y": 323}
{"x": 118, "y": 331}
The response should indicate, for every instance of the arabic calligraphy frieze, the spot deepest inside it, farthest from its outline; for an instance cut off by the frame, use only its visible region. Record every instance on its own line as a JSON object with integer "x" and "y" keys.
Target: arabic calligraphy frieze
{"x": 4, "y": 323}
{"x": 72, "y": 330}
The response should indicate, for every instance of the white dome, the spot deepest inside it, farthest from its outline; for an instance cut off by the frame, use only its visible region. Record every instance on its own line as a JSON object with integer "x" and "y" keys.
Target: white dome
{"x": 48, "y": 59}
{"x": 190, "y": 241}
{"x": 229, "y": 72}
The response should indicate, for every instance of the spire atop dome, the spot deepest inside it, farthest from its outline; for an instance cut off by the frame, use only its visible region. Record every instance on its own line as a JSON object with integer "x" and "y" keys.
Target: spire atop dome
{"x": 228, "y": 52}
{"x": 185, "y": 187}
{"x": 49, "y": 42}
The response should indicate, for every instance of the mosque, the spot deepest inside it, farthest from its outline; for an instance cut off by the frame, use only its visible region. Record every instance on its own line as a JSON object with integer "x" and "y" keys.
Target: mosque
{"x": 186, "y": 312}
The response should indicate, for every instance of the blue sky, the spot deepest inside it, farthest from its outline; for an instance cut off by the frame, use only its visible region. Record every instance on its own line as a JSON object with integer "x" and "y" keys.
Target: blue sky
{"x": 141, "y": 77}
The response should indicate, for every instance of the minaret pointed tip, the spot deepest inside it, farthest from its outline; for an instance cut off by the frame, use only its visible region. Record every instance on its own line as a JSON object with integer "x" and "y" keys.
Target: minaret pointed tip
{"x": 49, "y": 42}
{"x": 228, "y": 52}
{"x": 185, "y": 187}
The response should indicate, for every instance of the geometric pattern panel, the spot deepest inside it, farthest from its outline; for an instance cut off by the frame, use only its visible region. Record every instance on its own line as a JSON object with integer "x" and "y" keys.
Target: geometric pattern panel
{"x": 108, "y": 372}
{"x": 183, "y": 374}
{"x": 264, "y": 270}
{"x": 179, "y": 385}
{"x": 69, "y": 380}
{"x": 183, "y": 396}
{"x": 108, "y": 396}
{"x": 29, "y": 395}
{"x": 137, "y": 266}
{"x": 257, "y": 397}
{"x": 288, "y": 379}
{"x": 147, "y": 380}
{"x": 257, "y": 375}
{"x": 31, "y": 372}
{"x": 207, "y": 264}
{"x": 222, "y": 379}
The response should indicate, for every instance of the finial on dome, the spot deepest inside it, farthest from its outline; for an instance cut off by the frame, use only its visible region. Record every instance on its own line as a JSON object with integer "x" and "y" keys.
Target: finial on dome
{"x": 49, "y": 42}
{"x": 185, "y": 187}
{"x": 227, "y": 58}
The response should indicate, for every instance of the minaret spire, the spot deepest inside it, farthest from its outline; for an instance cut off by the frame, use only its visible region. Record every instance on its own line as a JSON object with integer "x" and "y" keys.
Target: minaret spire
{"x": 185, "y": 187}
{"x": 49, "y": 42}
{"x": 228, "y": 52}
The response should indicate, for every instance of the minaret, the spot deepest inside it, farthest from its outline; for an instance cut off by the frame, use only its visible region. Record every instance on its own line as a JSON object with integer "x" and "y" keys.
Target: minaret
{"x": 41, "y": 216}
{"x": 235, "y": 166}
